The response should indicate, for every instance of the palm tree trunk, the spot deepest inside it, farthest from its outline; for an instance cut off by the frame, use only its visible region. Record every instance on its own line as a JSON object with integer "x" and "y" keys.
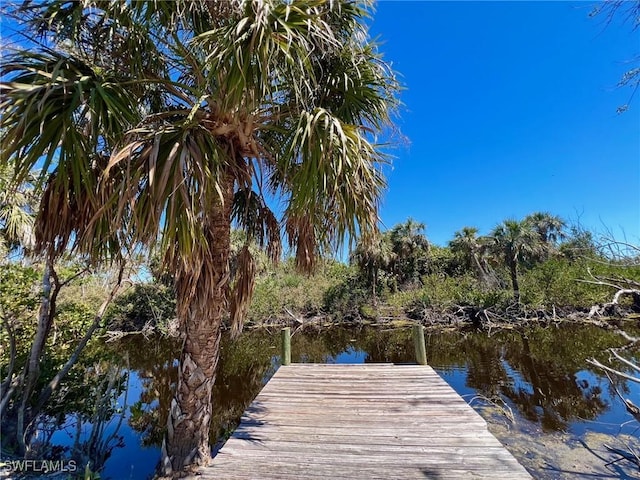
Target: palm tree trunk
{"x": 513, "y": 267}
{"x": 201, "y": 293}
{"x": 482, "y": 274}
{"x": 373, "y": 287}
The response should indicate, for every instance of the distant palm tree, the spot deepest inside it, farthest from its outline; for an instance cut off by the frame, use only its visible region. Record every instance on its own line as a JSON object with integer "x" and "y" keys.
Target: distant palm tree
{"x": 549, "y": 227}
{"x": 472, "y": 249}
{"x": 18, "y": 203}
{"x": 372, "y": 254}
{"x": 515, "y": 241}
{"x": 410, "y": 247}
{"x": 161, "y": 123}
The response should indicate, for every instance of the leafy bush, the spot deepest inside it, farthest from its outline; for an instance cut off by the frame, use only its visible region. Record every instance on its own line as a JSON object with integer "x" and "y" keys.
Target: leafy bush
{"x": 442, "y": 293}
{"x": 284, "y": 287}
{"x": 345, "y": 299}
{"x": 19, "y": 302}
{"x": 152, "y": 303}
{"x": 564, "y": 282}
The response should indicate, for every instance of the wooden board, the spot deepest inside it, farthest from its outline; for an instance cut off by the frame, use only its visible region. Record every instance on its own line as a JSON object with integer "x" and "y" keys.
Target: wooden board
{"x": 366, "y": 421}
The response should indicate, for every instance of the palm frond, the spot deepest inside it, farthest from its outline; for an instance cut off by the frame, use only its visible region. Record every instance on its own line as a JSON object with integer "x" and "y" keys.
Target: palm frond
{"x": 216, "y": 100}
{"x": 59, "y": 108}
{"x": 268, "y": 48}
{"x": 169, "y": 177}
{"x": 258, "y": 221}
{"x": 331, "y": 173}
{"x": 241, "y": 290}
{"x": 303, "y": 236}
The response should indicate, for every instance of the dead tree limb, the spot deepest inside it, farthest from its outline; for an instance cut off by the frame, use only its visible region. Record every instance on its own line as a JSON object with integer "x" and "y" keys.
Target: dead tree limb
{"x": 596, "y": 363}
{"x": 629, "y": 454}
{"x": 624, "y": 455}
{"x": 53, "y": 384}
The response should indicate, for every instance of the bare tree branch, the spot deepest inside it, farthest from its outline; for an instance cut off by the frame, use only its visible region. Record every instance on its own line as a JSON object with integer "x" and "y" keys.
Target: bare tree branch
{"x": 596, "y": 363}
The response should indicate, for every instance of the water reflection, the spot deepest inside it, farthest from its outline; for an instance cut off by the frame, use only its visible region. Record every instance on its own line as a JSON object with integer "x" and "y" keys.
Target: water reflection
{"x": 540, "y": 373}
{"x": 547, "y": 391}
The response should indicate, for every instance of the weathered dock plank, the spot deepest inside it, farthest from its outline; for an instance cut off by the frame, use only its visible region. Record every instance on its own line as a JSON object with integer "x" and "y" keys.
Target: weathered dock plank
{"x": 374, "y": 421}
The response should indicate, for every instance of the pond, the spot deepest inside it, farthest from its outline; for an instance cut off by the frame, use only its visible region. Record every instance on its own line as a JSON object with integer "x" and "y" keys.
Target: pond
{"x": 536, "y": 390}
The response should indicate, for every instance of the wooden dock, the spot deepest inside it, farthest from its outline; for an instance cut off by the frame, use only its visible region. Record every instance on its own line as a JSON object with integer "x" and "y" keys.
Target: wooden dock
{"x": 373, "y": 421}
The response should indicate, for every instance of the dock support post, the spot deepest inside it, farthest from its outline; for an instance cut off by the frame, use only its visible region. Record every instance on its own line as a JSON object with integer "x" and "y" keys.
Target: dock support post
{"x": 286, "y": 346}
{"x": 418, "y": 343}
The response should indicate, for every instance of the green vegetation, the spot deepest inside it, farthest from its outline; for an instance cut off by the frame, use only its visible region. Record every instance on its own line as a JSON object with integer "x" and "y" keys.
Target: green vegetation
{"x": 452, "y": 283}
{"x": 530, "y": 268}
{"x": 399, "y": 274}
{"x": 48, "y": 313}
{"x": 73, "y": 377}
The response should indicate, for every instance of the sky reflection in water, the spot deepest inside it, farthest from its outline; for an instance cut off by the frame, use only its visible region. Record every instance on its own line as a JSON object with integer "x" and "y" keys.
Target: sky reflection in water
{"x": 543, "y": 380}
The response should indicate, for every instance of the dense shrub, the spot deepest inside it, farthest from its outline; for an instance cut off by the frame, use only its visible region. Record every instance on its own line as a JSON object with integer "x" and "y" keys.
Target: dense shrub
{"x": 284, "y": 288}
{"x": 564, "y": 282}
{"x": 146, "y": 303}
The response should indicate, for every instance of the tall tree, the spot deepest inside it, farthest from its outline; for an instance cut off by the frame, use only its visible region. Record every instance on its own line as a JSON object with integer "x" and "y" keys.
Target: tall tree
{"x": 410, "y": 248}
{"x": 513, "y": 242}
{"x": 161, "y": 123}
{"x": 373, "y": 254}
{"x": 550, "y": 227}
{"x": 472, "y": 250}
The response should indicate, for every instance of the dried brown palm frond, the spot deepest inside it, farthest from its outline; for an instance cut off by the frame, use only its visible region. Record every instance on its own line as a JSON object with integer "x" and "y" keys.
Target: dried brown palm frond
{"x": 303, "y": 237}
{"x": 241, "y": 290}
{"x": 68, "y": 218}
{"x": 257, "y": 220}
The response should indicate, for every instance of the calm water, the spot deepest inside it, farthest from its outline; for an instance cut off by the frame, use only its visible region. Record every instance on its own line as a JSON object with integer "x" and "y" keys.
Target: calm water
{"x": 540, "y": 374}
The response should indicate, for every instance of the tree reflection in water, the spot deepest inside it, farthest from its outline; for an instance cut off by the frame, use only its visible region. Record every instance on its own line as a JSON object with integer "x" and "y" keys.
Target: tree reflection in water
{"x": 535, "y": 371}
{"x": 548, "y": 391}
{"x": 540, "y": 373}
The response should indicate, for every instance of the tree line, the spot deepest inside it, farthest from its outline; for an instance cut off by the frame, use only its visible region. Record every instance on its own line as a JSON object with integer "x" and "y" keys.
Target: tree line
{"x": 536, "y": 265}
{"x": 403, "y": 254}
{"x": 556, "y": 261}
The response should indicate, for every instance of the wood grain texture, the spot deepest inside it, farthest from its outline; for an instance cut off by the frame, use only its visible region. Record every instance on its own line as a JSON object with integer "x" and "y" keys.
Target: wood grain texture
{"x": 373, "y": 421}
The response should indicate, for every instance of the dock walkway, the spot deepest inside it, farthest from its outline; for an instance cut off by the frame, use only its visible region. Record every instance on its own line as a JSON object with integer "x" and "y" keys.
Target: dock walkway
{"x": 367, "y": 421}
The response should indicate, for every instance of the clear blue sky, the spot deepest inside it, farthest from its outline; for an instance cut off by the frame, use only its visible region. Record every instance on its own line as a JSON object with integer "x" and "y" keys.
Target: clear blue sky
{"x": 510, "y": 108}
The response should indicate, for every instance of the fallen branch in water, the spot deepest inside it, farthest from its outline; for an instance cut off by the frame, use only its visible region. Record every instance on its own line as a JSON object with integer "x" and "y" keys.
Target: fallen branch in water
{"x": 498, "y": 403}
{"x": 596, "y": 363}
{"x": 629, "y": 454}
{"x": 623, "y": 286}
{"x": 624, "y": 455}
{"x": 296, "y": 319}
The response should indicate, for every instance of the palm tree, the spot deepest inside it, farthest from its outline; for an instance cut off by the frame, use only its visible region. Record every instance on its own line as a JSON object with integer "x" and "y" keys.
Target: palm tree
{"x": 372, "y": 254}
{"x": 162, "y": 123}
{"x": 549, "y": 227}
{"x": 472, "y": 249}
{"x": 17, "y": 206}
{"x": 515, "y": 241}
{"x": 410, "y": 247}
